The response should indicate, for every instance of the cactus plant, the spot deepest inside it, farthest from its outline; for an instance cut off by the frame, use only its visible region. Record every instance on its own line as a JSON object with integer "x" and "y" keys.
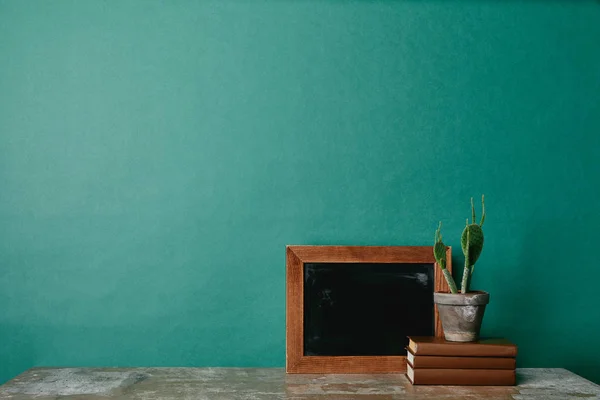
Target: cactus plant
{"x": 471, "y": 242}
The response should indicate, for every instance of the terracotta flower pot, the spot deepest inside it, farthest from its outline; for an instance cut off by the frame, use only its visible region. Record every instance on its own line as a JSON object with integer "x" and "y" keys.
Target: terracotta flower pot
{"x": 461, "y": 314}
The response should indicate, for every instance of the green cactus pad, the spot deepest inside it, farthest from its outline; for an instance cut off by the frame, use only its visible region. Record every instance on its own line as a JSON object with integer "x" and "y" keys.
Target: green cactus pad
{"x": 476, "y": 242}
{"x": 439, "y": 252}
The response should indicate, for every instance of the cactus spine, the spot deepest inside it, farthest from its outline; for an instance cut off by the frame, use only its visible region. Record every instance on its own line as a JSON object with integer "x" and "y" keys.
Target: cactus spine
{"x": 439, "y": 252}
{"x": 471, "y": 242}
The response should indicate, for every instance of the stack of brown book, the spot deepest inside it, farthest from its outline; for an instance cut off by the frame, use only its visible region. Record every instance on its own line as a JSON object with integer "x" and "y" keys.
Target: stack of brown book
{"x": 435, "y": 361}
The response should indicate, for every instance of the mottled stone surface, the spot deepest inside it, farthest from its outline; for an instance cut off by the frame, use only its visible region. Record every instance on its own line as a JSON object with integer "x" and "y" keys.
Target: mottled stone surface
{"x": 256, "y": 383}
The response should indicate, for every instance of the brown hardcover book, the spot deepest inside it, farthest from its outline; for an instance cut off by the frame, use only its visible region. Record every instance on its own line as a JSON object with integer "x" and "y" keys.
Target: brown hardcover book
{"x": 471, "y": 377}
{"x": 460, "y": 362}
{"x": 434, "y": 346}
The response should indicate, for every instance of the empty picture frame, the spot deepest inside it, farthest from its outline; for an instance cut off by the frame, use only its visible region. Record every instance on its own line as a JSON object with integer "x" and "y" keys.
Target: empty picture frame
{"x": 350, "y": 308}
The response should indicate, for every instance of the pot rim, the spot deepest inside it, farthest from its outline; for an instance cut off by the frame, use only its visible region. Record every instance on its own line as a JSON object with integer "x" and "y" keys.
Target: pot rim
{"x": 472, "y": 292}
{"x": 474, "y": 298}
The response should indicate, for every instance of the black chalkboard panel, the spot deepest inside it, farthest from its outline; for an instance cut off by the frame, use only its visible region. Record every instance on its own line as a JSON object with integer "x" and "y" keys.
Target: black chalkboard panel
{"x": 364, "y": 309}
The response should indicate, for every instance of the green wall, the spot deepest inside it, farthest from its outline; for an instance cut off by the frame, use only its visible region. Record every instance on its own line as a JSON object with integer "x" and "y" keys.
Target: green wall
{"x": 156, "y": 157}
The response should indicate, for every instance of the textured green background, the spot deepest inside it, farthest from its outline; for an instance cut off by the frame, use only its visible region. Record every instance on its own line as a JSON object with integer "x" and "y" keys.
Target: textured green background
{"x": 156, "y": 157}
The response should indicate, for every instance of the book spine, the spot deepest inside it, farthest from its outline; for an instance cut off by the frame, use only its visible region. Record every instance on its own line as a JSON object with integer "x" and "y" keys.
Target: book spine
{"x": 467, "y": 377}
{"x": 464, "y": 350}
{"x": 462, "y": 362}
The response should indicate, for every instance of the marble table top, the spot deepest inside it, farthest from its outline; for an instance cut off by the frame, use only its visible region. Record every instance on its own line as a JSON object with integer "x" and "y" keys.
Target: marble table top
{"x": 273, "y": 383}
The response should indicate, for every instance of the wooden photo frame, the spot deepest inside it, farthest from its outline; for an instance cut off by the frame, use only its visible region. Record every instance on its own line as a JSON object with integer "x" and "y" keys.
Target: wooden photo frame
{"x": 299, "y": 257}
